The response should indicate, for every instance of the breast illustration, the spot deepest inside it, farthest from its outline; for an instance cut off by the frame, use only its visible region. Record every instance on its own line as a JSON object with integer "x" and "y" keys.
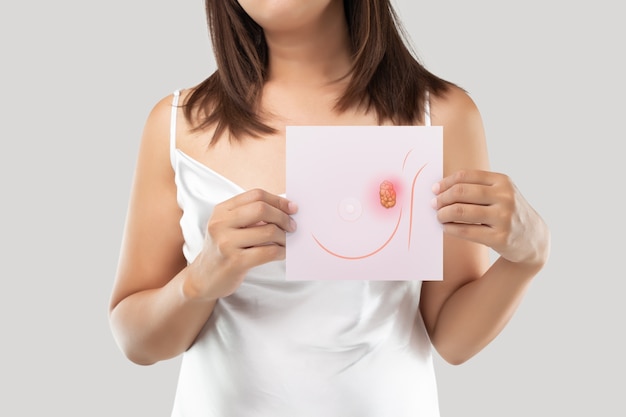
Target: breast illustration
{"x": 364, "y": 195}
{"x": 351, "y": 209}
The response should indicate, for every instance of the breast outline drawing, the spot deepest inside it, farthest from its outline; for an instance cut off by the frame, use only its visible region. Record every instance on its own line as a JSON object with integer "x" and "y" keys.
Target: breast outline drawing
{"x": 379, "y": 248}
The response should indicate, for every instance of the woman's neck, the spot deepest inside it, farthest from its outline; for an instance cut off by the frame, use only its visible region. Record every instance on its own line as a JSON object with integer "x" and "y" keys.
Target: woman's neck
{"x": 312, "y": 56}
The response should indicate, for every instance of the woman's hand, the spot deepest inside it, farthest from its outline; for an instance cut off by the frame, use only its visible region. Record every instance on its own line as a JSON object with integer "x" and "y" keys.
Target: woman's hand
{"x": 486, "y": 207}
{"x": 245, "y": 231}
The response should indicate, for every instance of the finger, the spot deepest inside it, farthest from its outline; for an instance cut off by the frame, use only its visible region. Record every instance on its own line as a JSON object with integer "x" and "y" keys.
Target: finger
{"x": 465, "y": 177}
{"x": 466, "y": 213}
{"x": 259, "y": 213}
{"x": 465, "y": 193}
{"x": 258, "y": 255}
{"x": 267, "y": 234}
{"x": 258, "y": 194}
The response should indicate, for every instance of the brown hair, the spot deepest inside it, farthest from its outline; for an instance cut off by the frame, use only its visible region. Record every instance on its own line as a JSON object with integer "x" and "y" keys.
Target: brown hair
{"x": 386, "y": 75}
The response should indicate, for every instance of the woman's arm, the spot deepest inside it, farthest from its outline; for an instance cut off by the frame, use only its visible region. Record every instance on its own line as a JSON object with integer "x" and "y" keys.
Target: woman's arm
{"x": 151, "y": 316}
{"x": 159, "y": 304}
{"x": 479, "y": 210}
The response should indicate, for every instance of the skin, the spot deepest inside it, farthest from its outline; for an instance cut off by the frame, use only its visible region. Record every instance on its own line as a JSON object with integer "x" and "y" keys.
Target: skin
{"x": 159, "y": 303}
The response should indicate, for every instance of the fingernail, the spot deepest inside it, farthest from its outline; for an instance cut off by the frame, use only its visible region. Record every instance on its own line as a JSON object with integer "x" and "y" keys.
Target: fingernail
{"x": 433, "y": 203}
{"x": 436, "y": 187}
{"x": 293, "y": 207}
{"x": 292, "y": 225}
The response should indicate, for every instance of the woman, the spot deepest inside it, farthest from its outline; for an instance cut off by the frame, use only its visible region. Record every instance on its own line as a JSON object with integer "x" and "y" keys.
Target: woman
{"x": 201, "y": 270}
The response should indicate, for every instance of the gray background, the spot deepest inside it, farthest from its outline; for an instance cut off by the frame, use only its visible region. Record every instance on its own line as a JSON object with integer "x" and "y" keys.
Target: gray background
{"x": 78, "y": 80}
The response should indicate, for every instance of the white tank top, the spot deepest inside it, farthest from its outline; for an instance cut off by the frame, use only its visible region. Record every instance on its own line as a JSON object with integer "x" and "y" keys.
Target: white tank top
{"x": 280, "y": 348}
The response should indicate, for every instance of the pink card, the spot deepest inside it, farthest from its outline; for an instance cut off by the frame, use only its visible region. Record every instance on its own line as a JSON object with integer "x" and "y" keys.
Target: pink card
{"x": 364, "y": 196}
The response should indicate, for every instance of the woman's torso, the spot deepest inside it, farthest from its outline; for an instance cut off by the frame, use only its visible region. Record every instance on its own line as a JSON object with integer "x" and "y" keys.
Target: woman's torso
{"x": 278, "y": 348}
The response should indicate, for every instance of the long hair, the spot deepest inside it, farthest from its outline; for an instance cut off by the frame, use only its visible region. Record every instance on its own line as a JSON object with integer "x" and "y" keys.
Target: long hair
{"x": 386, "y": 75}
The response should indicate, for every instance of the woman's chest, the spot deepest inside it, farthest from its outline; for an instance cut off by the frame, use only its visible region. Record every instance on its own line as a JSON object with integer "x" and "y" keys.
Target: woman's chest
{"x": 259, "y": 162}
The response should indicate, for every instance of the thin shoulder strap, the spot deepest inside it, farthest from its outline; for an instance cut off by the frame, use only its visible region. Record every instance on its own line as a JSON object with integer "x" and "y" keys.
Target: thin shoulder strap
{"x": 427, "y": 110}
{"x": 173, "y": 117}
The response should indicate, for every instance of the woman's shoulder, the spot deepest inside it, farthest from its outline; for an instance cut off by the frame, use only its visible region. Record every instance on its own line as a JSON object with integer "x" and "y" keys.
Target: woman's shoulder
{"x": 454, "y": 107}
{"x": 165, "y": 111}
{"x": 161, "y": 110}
{"x": 464, "y": 135}
{"x": 156, "y": 135}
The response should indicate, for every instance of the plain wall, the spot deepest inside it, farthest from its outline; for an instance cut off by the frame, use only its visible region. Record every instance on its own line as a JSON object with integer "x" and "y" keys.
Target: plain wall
{"x": 78, "y": 80}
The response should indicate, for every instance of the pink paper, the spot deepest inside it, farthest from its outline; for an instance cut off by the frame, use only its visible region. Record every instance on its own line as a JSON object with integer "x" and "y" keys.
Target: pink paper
{"x": 364, "y": 196}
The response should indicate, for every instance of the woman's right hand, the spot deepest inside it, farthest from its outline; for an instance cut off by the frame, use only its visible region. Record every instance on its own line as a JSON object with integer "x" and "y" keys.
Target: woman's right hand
{"x": 245, "y": 231}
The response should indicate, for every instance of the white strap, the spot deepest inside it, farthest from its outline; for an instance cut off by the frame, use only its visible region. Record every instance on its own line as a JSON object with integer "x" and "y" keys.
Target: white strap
{"x": 427, "y": 110}
{"x": 173, "y": 126}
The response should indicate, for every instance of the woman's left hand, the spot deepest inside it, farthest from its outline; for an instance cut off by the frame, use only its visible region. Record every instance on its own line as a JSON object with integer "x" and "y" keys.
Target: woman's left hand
{"x": 487, "y": 208}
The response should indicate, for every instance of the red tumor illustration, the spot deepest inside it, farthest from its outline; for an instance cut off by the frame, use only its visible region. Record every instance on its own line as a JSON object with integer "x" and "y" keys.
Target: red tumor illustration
{"x": 387, "y": 194}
